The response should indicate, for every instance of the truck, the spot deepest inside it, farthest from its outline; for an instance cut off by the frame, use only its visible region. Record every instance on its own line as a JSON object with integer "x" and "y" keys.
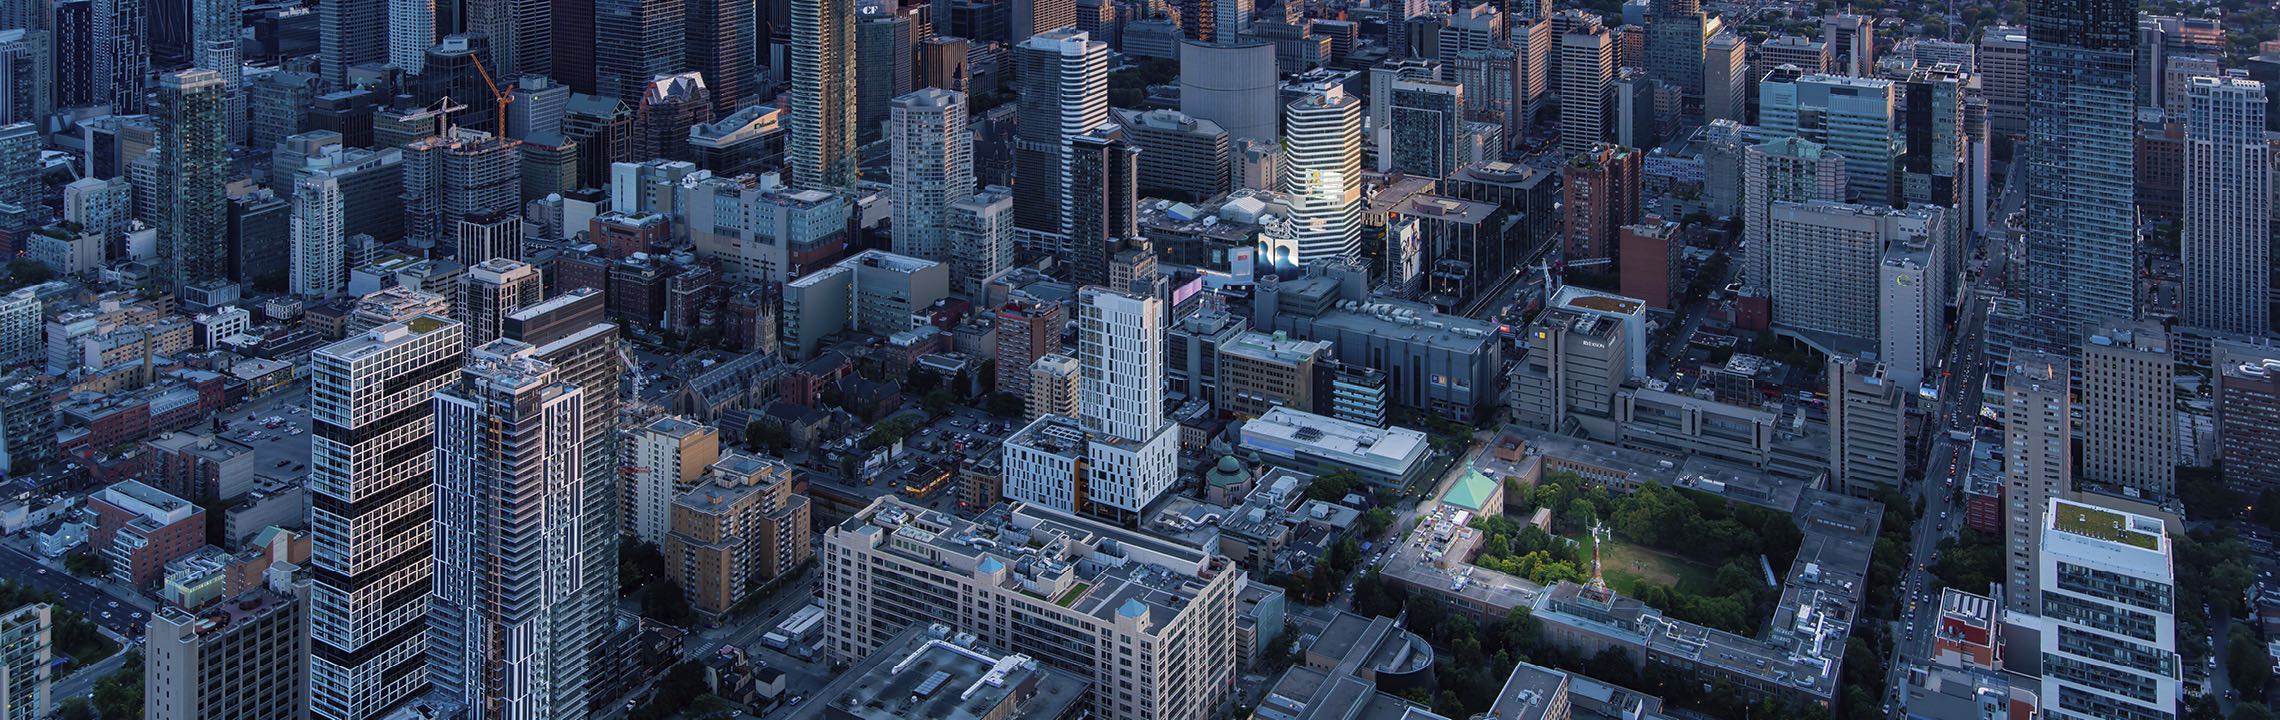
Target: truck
{"x": 776, "y": 640}
{"x": 803, "y": 623}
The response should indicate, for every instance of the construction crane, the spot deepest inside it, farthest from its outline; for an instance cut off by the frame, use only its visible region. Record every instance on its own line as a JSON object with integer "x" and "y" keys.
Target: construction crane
{"x": 500, "y": 98}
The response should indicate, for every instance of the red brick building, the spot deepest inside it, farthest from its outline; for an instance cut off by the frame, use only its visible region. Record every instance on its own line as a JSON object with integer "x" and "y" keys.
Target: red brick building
{"x": 140, "y": 528}
{"x": 1649, "y": 265}
{"x": 1602, "y": 195}
{"x": 620, "y": 235}
{"x": 1026, "y": 331}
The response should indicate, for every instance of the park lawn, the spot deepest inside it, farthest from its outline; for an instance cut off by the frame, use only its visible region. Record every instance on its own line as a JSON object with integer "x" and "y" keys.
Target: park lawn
{"x": 1624, "y": 563}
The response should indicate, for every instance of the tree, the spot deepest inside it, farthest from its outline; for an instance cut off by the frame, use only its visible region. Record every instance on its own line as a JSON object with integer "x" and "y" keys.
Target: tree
{"x": 638, "y": 563}
{"x": 2251, "y": 711}
{"x": 1005, "y": 405}
{"x": 766, "y": 436}
{"x": 120, "y": 695}
{"x": 2247, "y": 663}
{"x": 75, "y": 709}
{"x": 87, "y": 564}
{"x": 665, "y": 602}
{"x": 25, "y": 271}
{"x": 940, "y": 400}
{"x": 1375, "y": 522}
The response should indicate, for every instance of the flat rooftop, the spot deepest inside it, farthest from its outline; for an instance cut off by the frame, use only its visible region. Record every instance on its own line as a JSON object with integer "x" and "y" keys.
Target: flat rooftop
{"x": 930, "y": 672}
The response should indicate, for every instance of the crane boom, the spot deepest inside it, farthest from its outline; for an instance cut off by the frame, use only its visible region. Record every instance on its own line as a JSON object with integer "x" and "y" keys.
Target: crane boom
{"x": 501, "y": 98}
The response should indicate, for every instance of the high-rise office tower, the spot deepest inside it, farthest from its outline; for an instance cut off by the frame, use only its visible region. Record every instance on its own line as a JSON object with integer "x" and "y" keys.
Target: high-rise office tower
{"x": 492, "y": 290}
{"x": 2038, "y": 465}
{"x": 2002, "y": 64}
{"x": 2228, "y": 207}
{"x": 20, "y": 165}
{"x": 1868, "y": 427}
{"x": 980, "y": 237}
{"x": 1104, "y": 181}
{"x": 538, "y": 107}
{"x": 571, "y": 25}
{"x": 1322, "y": 136}
{"x": 27, "y": 66}
{"x": 1785, "y": 170}
{"x": 1851, "y": 116}
{"x": 1231, "y": 83}
{"x": 1586, "y": 71}
{"x": 2081, "y": 159}
{"x": 2247, "y": 411}
{"x": 349, "y": 33}
{"x": 194, "y": 158}
{"x": 509, "y": 442}
{"x": 821, "y": 153}
{"x": 670, "y": 105}
{"x": 319, "y": 240}
{"x": 571, "y": 333}
{"x": 1937, "y": 167}
{"x": 933, "y": 169}
{"x": 2129, "y": 415}
{"x": 1383, "y": 78}
{"x": 721, "y": 46}
{"x": 884, "y": 65}
{"x": 122, "y": 55}
{"x": 370, "y": 487}
{"x": 214, "y": 26}
{"x": 1726, "y": 81}
{"x": 2108, "y": 594}
{"x": 1827, "y": 271}
{"x": 634, "y": 41}
{"x": 488, "y": 236}
{"x": 1427, "y": 121}
{"x": 1030, "y": 18}
{"x": 1852, "y": 43}
{"x": 1063, "y": 76}
{"x": 1676, "y": 31}
{"x": 27, "y": 651}
{"x": 237, "y": 658}
{"x": 522, "y": 36}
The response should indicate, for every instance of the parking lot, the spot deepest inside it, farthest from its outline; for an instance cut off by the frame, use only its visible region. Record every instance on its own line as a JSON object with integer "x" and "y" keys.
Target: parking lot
{"x": 280, "y": 447}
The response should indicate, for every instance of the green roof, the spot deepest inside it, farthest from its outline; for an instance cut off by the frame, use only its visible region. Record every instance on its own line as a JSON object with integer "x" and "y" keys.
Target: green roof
{"x": 423, "y": 324}
{"x": 2103, "y": 525}
{"x": 1471, "y": 492}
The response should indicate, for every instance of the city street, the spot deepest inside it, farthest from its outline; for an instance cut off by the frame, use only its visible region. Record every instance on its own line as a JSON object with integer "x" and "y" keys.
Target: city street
{"x": 118, "y": 612}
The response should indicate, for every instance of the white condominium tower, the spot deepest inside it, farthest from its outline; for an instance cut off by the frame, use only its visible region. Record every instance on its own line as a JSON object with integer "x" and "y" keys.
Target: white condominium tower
{"x": 1120, "y": 345}
{"x": 2109, "y": 617}
{"x": 371, "y": 493}
{"x": 320, "y": 250}
{"x": 933, "y": 169}
{"x": 1586, "y": 72}
{"x": 1322, "y": 172}
{"x": 2228, "y": 207}
{"x": 504, "y": 627}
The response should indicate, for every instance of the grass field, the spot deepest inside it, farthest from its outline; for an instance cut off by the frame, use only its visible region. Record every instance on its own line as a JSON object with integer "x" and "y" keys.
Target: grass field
{"x": 1624, "y": 563}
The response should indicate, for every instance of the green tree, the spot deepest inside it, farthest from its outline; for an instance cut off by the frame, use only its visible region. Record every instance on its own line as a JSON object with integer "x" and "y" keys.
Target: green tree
{"x": 2251, "y": 711}
{"x": 120, "y": 695}
{"x": 766, "y": 436}
{"x": 74, "y": 709}
{"x": 87, "y": 564}
{"x": 940, "y": 400}
{"x": 2246, "y": 661}
{"x": 638, "y": 563}
{"x": 1005, "y": 405}
{"x": 665, "y": 602}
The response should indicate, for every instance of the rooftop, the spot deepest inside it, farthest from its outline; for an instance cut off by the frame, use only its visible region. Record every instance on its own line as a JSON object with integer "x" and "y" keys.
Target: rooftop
{"x": 2110, "y": 526}
{"x": 928, "y": 672}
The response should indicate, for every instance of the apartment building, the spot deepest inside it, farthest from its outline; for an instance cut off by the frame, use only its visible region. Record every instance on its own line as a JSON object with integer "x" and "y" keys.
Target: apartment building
{"x": 742, "y": 525}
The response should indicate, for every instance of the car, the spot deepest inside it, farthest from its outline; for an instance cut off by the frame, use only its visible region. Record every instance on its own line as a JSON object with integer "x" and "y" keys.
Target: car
{"x": 113, "y": 603}
{"x": 136, "y": 614}
{"x": 43, "y": 571}
{"x": 106, "y": 615}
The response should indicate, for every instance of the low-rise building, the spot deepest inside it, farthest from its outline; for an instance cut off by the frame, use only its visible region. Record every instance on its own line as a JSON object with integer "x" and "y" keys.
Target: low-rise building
{"x": 930, "y": 670}
{"x": 1304, "y": 441}
{"x": 140, "y": 528}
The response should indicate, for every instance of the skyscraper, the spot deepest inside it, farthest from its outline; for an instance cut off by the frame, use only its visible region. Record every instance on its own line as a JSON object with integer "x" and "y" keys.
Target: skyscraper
{"x": 1322, "y": 134}
{"x": 27, "y": 66}
{"x": 214, "y": 28}
{"x": 488, "y": 236}
{"x": 20, "y": 165}
{"x": 1725, "y": 78}
{"x": 1675, "y": 44}
{"x": 1104, "y": 181}
{"x": 239, "y": 658}
{"x": 980, "y": 237}
{"x": 721, "y": 46}
{"x": 2108, "y": 594}
{"x": 634, "y": 41}
{"x": 370, "y": 480}
{"x": 2228, "y": 207}
{"x": 1586, "y": 71}
{"x": 509, "y": 443}
{"x": 2081, "y": 159}
{"x": 1785, "y": 170}
{"x": 885, "y": 38}
{"x": 569, "y": 332}
{"x": 27, "y": 650}
{"x": 2038, "y": 465}
{"x": 821, "y": 154}
{"x": 411, "y": 31}
{"x": 2129, "y": 411}
{"x": 194, "y": 158}
{"x": 459, "y": 174}
{"x": 319, "y": 240}
{"x": 1852, "y": 116}
{"x": 1426, "y": 126}
{"x": 122, "y": 55}
{"x": 522, "y": 36}
{"x": 1128, "y": 450}
{"x": 933, "y": 169}
{"x": 1601, "y": 191}
{"x": 492, "y": 290}
{"x": 1063, "y": 92}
